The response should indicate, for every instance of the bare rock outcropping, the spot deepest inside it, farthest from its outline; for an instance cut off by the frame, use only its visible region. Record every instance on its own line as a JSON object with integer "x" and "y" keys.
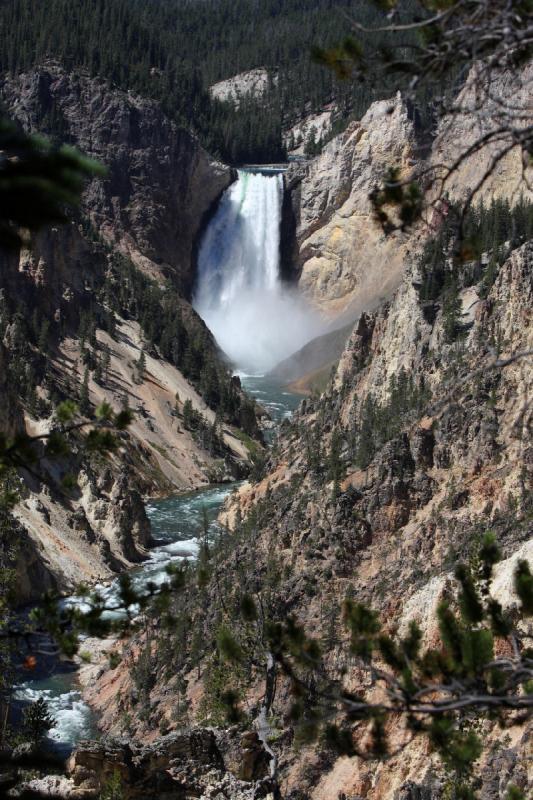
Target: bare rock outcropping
{"x": 160, "y": 182}
{"x": 496, "y": 112}
{"x": 65, "y": 541}
{"x": 392, "y": 535}
{"x": 180, "y": 765}
{"x": 254, "y": 83}
{"x": 346, "y": 262}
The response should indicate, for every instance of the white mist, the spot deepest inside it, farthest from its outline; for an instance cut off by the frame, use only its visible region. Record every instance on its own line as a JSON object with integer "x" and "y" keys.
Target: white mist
{"x": 256, "y": 320}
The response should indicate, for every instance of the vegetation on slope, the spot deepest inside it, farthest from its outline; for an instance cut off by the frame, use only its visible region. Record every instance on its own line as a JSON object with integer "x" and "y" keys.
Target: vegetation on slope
{"x": 173, "y": 50}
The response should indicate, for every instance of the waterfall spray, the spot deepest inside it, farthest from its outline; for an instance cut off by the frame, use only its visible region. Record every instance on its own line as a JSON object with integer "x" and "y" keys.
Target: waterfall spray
{"x": 256, "y": 320}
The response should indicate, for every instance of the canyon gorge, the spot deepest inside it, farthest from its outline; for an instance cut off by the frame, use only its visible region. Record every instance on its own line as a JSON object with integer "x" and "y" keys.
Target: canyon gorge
{"x": 324, "y": 411}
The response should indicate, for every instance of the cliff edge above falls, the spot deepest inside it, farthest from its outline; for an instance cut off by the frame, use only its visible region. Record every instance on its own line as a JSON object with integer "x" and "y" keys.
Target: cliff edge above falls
{"x": 160, "y": 181}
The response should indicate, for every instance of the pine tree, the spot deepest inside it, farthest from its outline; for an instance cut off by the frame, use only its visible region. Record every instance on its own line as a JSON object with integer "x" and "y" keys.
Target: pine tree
{"x": 366, "y": 445}
{"x": 106, "y": 363}
{"x": 98, "y": 372}
{"x": 311, "y": 146}
{"x": 489, "y": 276}
{"x": 189, "y": 416}
{"x": 44, "y": 333}
{"x": 313, "y": 449}
{"x": 37, "y": 721}
{"x": 140, "y": 368}
{"x": 112, "y": 788}
{"x": 451, "y": 310}
{"x": 335, "y": 462}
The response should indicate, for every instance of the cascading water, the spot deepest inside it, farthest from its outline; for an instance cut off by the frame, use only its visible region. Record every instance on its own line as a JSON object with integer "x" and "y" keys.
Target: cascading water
{"x": 255, "y": 319}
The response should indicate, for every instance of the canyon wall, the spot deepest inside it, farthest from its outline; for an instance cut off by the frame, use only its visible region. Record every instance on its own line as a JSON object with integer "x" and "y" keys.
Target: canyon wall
{"x": 148, "y": 210}
{"x": 160, "y": 182}
{"x": 431, "y": 425}
{"x": 344, "y": 260}
{"x": 391, "y": 535}
{"x": 456, "y": 464}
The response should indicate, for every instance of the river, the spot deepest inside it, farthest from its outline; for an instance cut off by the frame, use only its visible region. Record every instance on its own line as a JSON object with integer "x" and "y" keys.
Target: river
{"x": 176, "y": 523}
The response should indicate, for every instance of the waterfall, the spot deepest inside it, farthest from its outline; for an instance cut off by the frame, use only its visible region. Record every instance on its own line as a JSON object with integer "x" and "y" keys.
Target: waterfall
{"x": 256, "y": 320}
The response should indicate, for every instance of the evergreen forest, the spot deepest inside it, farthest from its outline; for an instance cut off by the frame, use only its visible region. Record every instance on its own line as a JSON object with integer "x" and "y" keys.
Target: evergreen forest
{"x": 174, "y": 50}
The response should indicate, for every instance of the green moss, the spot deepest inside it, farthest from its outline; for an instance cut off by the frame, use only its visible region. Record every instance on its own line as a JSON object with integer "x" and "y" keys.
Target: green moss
{"x": 253, "y": 447}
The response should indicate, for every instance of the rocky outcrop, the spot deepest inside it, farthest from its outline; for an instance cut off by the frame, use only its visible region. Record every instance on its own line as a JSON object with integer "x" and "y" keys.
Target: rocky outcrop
{"x": 494, "y": 111}
{"x": 59, "y": 275}
{"x": 181, "y": 765}
{"x": 30, "y": 565}
{"x": 458, "y": 464}
{"x": 68, "y": 540}
{"x": 315, "y": 125}
{"x": 160, "y": 183}
{"x": 345, "y": 261}
{"x": 254, "y": 83}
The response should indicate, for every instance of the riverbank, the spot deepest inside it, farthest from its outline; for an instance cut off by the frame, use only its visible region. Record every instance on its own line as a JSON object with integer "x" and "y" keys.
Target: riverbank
{"x": 177, "y": 521}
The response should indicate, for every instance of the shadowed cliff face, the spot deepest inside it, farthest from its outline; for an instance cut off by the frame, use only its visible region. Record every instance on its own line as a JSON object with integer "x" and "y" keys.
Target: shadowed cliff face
{"x": 159, "y": 186}
{"x": 160, "y": 181}
{"x": 102, "y": 528}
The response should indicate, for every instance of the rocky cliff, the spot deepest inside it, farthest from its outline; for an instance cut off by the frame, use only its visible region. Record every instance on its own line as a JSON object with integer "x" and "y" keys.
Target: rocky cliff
{"x": 193, "y": 764}
{"x": 456, "y": 463}
{"x": 254, "y": 83}
{"x": 432, "y": 434}
{"x": 73, "y": 307}
{"x": 102, "y": 528}
{"x": 345, "y": 261}
{"x": 160, "y": 182}
{"x": 374, "y": 490}
{"x": 419, "y": 486}
{"x": 497, "y": 111}
{"x": 311, "y": 366}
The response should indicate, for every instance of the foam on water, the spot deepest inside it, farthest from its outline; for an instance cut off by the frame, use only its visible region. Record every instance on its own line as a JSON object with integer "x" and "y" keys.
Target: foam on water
{"x": 73, "y": 717}
{"x": 177, "y": 523}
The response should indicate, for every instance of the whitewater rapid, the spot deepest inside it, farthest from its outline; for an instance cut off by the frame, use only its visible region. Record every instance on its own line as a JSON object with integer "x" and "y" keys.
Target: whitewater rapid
{"x": 176, "y": 522}
{"x": 257, "y": 320}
